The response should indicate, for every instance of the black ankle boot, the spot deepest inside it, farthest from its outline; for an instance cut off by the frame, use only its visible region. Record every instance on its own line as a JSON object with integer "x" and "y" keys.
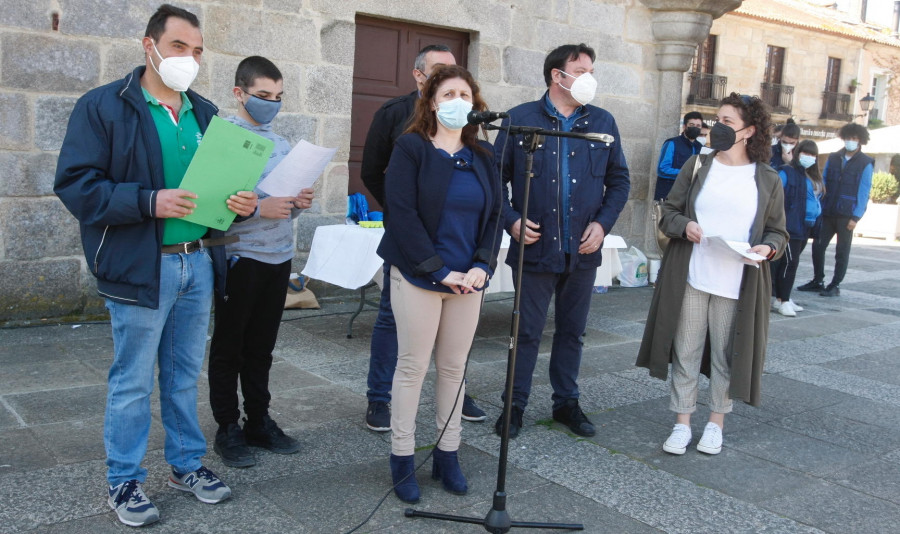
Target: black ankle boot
{"x": 445, "y": 467}
{"x": 403, "y": 468}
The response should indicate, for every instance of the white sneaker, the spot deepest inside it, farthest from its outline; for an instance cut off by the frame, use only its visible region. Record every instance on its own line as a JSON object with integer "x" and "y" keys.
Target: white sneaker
{"x": 776, "y": 304}
{"x": 678, "y": 440}
{"x": 796, "y": 306}
{"x": 786, "y": 309}
{"x": 711, "y": 441}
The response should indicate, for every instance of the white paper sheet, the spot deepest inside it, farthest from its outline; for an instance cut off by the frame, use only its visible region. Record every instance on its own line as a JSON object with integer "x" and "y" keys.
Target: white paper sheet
{"x": 735, "y": 248}
{"x": 298, "y": 170}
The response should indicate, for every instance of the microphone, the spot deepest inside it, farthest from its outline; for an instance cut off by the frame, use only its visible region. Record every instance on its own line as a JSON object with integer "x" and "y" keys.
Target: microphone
{"x": 602, "y": 137}
{"x": 478, "y": 117}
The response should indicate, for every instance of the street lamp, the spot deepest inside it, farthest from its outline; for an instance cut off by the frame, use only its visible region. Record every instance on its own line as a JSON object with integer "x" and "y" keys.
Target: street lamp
{"x": 865, "y": 103}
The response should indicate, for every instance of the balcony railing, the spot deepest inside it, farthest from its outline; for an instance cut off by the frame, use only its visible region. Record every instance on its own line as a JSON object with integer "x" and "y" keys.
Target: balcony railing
{"x": 779, "y": 97}
{"x": 836, "y": 106}
{"x": 706, "y": 89}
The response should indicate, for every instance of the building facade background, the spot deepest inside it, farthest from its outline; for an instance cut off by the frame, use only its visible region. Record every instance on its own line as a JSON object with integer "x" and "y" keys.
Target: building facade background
{"x": 53, "y": 51}
{"x": 810, "y": 63}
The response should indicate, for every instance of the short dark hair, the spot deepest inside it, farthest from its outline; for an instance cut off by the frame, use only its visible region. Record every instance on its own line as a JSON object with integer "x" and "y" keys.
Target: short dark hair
{"x": 690, "y": 115}
{"x": 791, "y": 130}
{"x": 254, "y": 67}
{"x": 419, "y": 64}
{"x": 157, "y": 24}
{"x": 851, "y": 129}
{"x": 558, "y": 57}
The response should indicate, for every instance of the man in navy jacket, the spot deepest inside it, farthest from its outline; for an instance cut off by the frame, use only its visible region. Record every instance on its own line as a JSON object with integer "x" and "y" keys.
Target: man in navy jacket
{"x": 675, "y": 152}
{"x": 578, "y": 191}
{"x": 127, "y": 147}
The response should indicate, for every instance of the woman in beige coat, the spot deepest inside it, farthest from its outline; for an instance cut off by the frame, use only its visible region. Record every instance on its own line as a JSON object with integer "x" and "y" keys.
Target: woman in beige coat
{"x": 710, "y": 312}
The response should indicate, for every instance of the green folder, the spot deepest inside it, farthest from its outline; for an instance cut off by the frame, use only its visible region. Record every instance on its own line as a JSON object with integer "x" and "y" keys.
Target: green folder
{"x": 229, "y": 159}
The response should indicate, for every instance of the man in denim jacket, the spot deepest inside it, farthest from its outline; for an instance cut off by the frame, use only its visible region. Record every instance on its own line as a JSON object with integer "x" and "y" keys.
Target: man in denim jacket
{"x": 579, "y": 188}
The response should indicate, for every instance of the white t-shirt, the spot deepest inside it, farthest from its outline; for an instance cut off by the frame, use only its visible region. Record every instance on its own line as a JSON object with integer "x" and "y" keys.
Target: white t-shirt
{"x": 726, "y": 206}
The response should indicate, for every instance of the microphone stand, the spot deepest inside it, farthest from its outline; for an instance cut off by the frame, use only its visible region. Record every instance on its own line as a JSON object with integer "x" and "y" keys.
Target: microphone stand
{"x": 497, "y": 520}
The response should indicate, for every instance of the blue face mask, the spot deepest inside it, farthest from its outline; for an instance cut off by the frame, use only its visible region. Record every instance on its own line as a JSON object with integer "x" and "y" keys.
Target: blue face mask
{"x": 851, "y": 146}
{"x": 262, "y": 110}
{"x": 807, "y": 161}
{"x": 454, "y": 113}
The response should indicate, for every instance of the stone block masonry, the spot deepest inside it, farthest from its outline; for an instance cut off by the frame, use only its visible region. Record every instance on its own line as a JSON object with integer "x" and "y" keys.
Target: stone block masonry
{"x": 45, "y": 68}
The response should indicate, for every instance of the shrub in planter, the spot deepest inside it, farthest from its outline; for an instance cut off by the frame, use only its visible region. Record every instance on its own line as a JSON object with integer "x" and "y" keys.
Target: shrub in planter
{"x": 884, "y": 188}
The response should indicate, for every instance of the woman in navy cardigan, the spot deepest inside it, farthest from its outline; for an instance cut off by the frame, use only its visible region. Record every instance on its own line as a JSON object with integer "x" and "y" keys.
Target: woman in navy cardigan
{"x": 441, "y": 239}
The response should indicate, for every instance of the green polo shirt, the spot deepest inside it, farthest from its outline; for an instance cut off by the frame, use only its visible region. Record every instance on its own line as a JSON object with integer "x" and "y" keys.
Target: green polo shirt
{"x": 178, "y": 142}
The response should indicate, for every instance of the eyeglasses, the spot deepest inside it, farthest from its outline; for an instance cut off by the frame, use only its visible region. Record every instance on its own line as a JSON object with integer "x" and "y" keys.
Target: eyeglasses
{"x": 747, "y": 99}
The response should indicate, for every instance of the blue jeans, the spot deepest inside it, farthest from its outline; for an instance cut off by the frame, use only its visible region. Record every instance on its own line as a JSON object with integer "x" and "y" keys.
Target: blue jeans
{"x": 383, "y": 351}
{"x": 573, "y": 302}
{"x": 174, "y": 335}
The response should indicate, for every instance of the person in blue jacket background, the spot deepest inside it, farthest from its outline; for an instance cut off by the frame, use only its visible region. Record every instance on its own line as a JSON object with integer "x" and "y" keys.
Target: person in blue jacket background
{"x": 441, "y": 240}
{"x": 803, "y": 189}
{"x": 578, "y": 191}
{"x": 848, "y": 179}
{"x": 675, "y": 151}
{"x": 783, "y": 151}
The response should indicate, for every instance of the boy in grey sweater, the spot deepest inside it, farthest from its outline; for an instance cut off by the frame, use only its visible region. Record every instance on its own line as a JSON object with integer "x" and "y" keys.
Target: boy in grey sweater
{"x": 249, "y": 313}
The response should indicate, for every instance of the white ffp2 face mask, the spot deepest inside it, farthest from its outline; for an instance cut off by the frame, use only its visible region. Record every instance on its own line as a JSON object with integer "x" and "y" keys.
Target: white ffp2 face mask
{"x": 177, "y": 72}
{"x": 584, "y": 88}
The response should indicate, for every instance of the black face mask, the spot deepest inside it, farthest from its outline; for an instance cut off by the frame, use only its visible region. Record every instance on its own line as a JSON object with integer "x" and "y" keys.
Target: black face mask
{"x": 692, "y": 132}
{"x": 721, "y": 137}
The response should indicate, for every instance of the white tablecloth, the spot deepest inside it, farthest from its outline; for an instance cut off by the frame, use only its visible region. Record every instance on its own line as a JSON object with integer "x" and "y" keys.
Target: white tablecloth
{"x": 345, "y": 255}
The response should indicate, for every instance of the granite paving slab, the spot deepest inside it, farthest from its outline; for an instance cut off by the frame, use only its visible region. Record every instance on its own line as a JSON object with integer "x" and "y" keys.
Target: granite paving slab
{"x": 879, "y": 478}
{"x": 649, "y": 495}
{"x": 794, "y": 450}
{"x": 835, "y": 508}
{"x": 52, "y": 406}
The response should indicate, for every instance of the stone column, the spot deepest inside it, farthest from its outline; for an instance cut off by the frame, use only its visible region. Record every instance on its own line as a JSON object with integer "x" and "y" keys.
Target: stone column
{"x": 678, "y": 27}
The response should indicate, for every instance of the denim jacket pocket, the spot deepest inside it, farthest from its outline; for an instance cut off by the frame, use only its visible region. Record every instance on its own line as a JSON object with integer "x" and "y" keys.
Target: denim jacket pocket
{"x": 599, "y": 158}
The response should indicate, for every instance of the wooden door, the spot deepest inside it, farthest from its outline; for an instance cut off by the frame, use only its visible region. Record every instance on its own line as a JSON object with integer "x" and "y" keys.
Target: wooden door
{"x": 382, "y": 69}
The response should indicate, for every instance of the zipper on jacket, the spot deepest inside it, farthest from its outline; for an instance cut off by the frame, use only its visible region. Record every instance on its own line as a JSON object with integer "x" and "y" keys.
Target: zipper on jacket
{"x": 115, "y": 297}
{"x": 100, "y": 246}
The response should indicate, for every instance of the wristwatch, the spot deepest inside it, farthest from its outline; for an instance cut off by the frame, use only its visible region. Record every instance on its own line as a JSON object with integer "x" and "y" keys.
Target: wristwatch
{"x": 773, "y": 250}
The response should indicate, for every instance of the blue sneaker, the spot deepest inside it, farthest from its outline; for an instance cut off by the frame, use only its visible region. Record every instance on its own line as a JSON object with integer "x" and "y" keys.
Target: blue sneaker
{"x": 132, "y": 505}
{"x": 203, "y": 483}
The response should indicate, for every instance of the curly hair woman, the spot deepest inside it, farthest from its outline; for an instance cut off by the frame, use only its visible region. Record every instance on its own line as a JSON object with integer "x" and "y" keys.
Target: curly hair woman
{"x": 710, "y": 311}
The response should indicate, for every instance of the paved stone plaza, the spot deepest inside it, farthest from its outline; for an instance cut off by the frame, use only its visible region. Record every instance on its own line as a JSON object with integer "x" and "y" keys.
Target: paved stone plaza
{"x": 822, "y": 454}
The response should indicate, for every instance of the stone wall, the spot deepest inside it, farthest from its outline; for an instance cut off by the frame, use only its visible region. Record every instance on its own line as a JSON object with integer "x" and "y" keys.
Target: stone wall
{"x": 44, "y": 71}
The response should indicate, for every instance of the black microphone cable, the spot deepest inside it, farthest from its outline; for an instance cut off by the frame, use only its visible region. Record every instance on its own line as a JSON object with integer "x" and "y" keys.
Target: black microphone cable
{"x": 497, "y": 233}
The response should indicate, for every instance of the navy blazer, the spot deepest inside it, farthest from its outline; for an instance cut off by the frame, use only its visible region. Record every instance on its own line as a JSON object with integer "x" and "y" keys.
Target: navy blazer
{"x": 108, "y": 173}
{"x": 416, "y": 184}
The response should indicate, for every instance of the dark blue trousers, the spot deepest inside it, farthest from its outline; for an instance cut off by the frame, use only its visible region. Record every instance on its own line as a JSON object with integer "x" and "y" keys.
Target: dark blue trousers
{"x": 383, "y": 350}
{"x": 573, "y": 301}
{"x": 832, "y": 226}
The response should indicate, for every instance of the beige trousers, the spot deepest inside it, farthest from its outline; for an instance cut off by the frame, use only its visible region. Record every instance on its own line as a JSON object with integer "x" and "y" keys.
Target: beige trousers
{"x": 700, "y": 312}
{"x": 426, "y": 321}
